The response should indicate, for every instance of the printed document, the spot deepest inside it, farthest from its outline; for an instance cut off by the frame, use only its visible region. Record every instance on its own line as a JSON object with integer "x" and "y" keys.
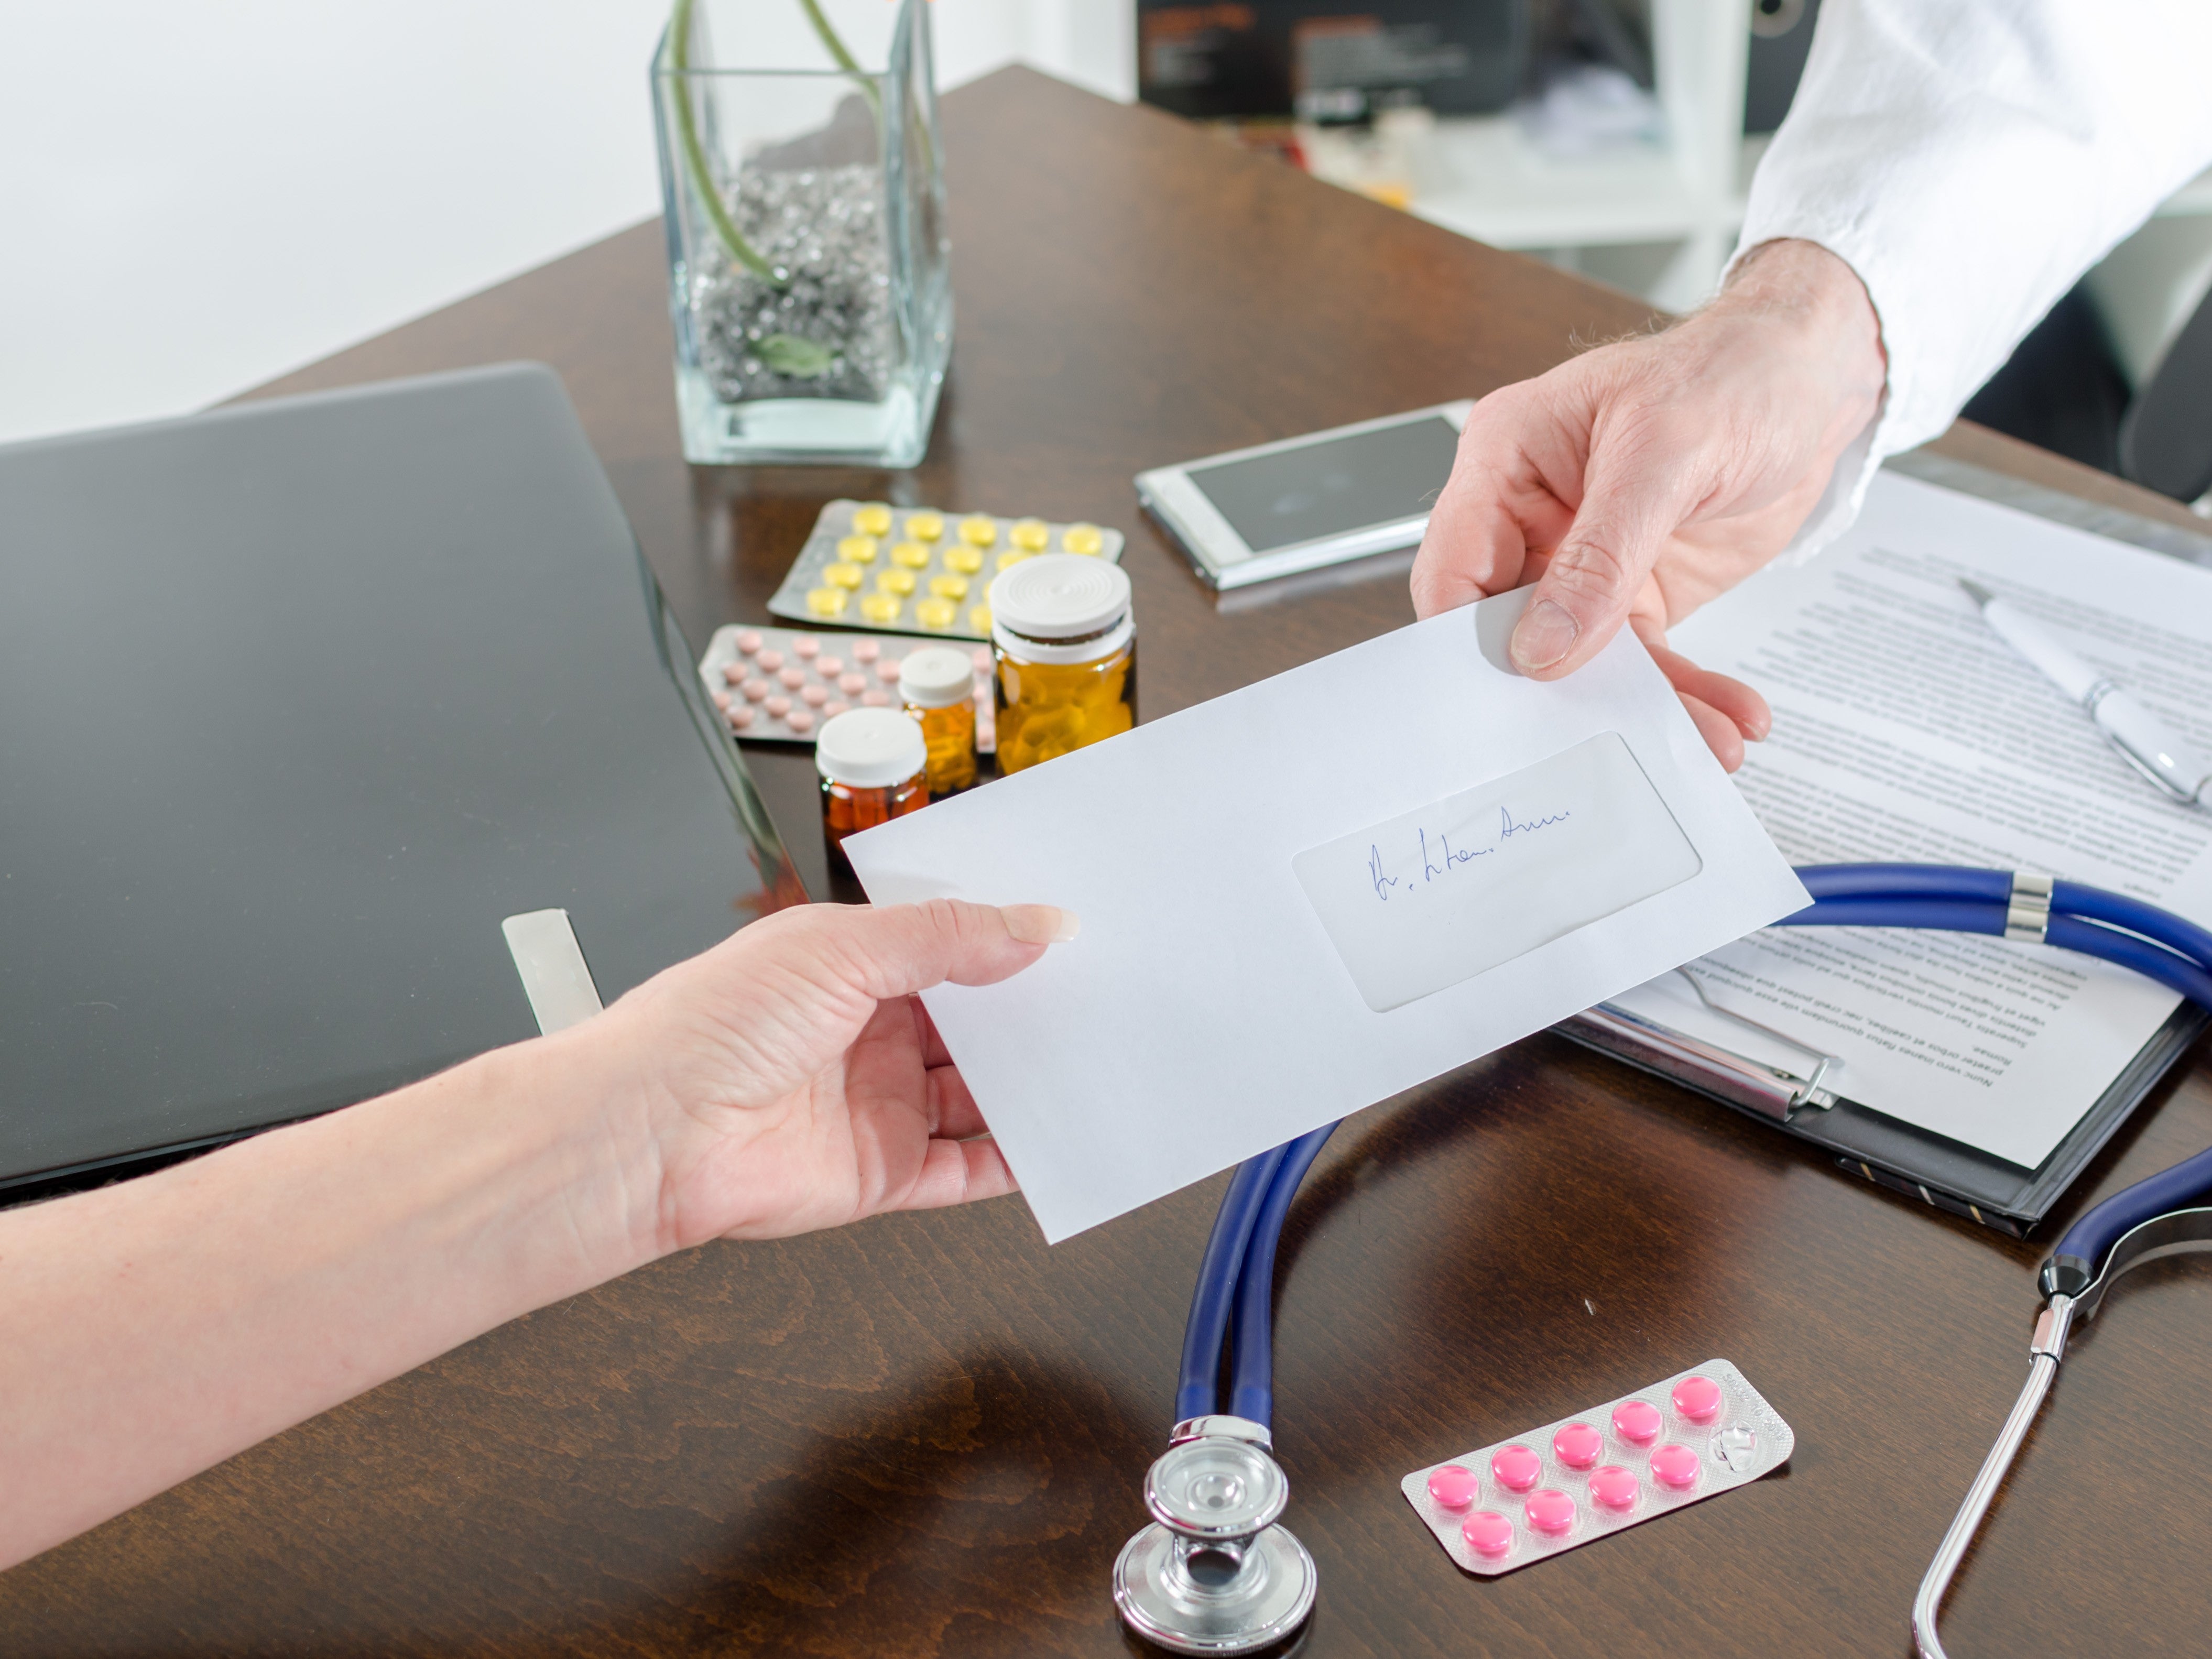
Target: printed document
{"x": 1906, "y": 731}
{"x": 1320, "y": 891}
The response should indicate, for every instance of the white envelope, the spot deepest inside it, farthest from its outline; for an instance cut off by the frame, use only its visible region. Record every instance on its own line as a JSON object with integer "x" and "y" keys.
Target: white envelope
{"x": 1312, "y": 894}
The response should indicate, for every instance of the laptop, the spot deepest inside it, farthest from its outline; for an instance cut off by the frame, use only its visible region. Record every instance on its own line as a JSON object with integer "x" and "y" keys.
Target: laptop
{"x": 300, "y": 702}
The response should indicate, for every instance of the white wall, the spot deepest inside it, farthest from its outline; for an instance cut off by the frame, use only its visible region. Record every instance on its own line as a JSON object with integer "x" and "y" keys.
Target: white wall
{"x": 195, "y": 197}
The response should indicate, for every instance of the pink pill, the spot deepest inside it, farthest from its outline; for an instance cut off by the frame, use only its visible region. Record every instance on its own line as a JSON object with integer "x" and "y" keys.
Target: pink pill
{"x": 792, "y": 678}
{"x": 1577, "y": 1445}
{"x": 778, "y": 707}
{"x": 741, "y": 716}
{"x": 1675, "y": 1466}
{"x": 831, "y": 709}
{"x": 852, "y": 684}
{"x": 1697, "y": 1398}
{"x": 1551, "y": 1513}
{"x": 887, "y": 671}
{"x": 875, "y": 699}
{"x": 804, "y": 647}
{"x": 814, "y": 696}
{"x": 829, "y": 667}
{"x": 1488, "y": 1534}
{"x": 755, "y": 690}
{"x": 866, "y": 651}
{"x": 722, "y": 700}
{"x": 1453, "y": 1486}
{"x": 734, "y": 672}
{"x": 800, "y": 720}
{"x": 771, "y": 660}
{"x": 1516, "y": 1468}
{"x": 1636, "y": 1421}
{"x": 1613, "y": 1488}
{"x": 749, "y": 642}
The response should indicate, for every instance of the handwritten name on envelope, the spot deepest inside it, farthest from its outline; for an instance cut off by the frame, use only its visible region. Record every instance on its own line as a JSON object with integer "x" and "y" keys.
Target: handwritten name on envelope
{"x": 1443, "y": 893}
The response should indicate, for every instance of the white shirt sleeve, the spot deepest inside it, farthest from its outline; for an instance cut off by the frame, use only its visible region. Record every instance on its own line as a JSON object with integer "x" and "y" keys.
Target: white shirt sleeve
{"x": 1970, "y": 159}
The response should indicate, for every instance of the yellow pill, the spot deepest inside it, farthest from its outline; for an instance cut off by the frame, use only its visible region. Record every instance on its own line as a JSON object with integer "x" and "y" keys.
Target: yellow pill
{"x": 925, "y": 526}
{"x": 843, "y": 575}
{"x": 912, "y": 554}
{"x": 873, "y": 519}
{"x": 895, "y": 581}
{"x": 935, "y": 613}
{"x": 881, "y": 607}
{"x": 949, "y": 587}
{"x": 1082, "y": 538}
{"x": 979, "y": 619}
{"x": 1032, "y": 534}
{"x": 856, "y": 550}
{"x": 979, "y": 529}
{"x": 966, "y": 559}
{"x": 1014, "y": 556}
{"x": 826, "y": 602}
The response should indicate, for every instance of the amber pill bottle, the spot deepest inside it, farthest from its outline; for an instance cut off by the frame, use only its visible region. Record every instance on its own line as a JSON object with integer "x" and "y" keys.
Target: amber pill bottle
{"x": 937, "y": 684}
{"x": 1063, "y": 656}
{"x": 874, "y": 767}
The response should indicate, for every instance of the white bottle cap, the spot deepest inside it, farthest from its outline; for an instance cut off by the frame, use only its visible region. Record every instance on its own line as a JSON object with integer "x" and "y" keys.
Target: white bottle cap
{"x": 937, "y": 676}
{"x": 870, "y": 748}
{"x": 1060, "y": 595}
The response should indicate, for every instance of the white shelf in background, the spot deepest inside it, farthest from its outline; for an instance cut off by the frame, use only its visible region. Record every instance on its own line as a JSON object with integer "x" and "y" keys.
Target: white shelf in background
{"x": 1483, "y": 178}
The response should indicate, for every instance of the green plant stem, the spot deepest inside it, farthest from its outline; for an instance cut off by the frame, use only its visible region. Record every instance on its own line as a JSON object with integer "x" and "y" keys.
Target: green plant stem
{"x": 694, "y": 154}
{"x": 866, "y": 83}
{"x": 844, "y": 60}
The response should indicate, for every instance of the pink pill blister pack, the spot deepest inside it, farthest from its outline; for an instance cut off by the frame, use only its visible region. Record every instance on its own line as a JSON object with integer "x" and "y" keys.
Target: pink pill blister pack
{"x": 779, "y": 684}
{"x": 1586, "y": 1477}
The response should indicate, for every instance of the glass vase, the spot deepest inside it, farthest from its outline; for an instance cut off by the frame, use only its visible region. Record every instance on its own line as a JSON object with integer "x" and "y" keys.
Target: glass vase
{"x": 803, "y": 194}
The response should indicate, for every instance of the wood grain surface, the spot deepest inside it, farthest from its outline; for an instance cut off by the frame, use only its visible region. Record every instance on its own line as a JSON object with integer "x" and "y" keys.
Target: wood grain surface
{"x": 925, "y": 1436}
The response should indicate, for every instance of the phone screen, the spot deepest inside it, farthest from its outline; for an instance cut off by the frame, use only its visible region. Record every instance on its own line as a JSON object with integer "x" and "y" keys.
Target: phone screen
{"x": 1326, "y": 488}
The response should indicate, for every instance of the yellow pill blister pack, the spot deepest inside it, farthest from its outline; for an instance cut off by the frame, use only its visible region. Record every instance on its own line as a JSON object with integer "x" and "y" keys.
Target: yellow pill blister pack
{"x": 916, "y": 569}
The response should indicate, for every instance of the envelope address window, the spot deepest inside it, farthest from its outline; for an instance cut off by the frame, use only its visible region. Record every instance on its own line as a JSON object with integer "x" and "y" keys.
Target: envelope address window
{"x": 1436, "y": 896}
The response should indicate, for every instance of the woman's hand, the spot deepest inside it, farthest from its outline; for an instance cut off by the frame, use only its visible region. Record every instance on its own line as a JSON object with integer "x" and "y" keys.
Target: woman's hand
{"x": 785, "y": 1080}
{"x": 789, "y": 1078}
{"x": 1640, "y": 479}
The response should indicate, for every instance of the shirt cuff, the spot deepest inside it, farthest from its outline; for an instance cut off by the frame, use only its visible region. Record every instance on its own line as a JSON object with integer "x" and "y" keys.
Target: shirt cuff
{"x": 1882, "y": 437}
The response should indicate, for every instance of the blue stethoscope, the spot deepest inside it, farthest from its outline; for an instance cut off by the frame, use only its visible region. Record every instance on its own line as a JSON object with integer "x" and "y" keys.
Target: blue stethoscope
{"x": 1216, "y": 1574}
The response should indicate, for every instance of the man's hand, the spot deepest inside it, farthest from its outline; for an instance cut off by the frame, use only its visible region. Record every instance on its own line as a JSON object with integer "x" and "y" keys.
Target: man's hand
{"x": 1638, "y": 480}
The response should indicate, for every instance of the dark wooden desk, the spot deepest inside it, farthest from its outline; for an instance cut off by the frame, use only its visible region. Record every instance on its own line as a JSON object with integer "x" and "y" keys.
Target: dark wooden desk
{"x": 924, "y": 1435}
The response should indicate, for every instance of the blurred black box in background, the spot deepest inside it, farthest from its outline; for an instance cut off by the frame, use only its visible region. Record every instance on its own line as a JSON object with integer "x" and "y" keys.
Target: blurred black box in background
{"x": 1328, "y": 59}
{"x": 1781, "y": 36}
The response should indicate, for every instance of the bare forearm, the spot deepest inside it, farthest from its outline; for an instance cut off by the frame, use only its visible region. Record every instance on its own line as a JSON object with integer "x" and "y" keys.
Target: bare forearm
{"x": 782, "y": 1081}
{"x": 153, "y": 1328}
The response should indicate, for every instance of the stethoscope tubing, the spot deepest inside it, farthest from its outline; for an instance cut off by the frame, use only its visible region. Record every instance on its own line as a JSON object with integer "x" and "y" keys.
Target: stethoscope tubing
{"x": 2087, "y": 920}
{"x": 1235, "y": 1281}
{"x": 1219, "y": 1272}
{"x": 1252, "y": 1381}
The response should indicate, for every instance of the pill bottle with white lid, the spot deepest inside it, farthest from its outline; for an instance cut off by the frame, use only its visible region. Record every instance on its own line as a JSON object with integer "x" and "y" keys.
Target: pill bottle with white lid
{"x": 937, "y": 684}
{"x": 874, "y": 766}
{"x": 1064, "y": 656}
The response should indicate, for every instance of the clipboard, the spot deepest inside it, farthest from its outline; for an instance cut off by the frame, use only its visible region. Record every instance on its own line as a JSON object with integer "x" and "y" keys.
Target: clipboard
{"x": 1944, "y": 1174}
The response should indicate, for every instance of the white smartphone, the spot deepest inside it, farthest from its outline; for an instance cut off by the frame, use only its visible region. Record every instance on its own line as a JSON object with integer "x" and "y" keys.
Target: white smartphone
{"x": 1279, "y": 508}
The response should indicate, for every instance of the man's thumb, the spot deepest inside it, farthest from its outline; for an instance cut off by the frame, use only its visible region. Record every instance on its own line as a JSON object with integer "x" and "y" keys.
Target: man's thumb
{"x": 1596, "y": 573}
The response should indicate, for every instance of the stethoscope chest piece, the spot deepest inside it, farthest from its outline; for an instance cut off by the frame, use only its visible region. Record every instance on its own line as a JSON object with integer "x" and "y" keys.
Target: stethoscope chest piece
{"x": 1213, "y": 1573}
